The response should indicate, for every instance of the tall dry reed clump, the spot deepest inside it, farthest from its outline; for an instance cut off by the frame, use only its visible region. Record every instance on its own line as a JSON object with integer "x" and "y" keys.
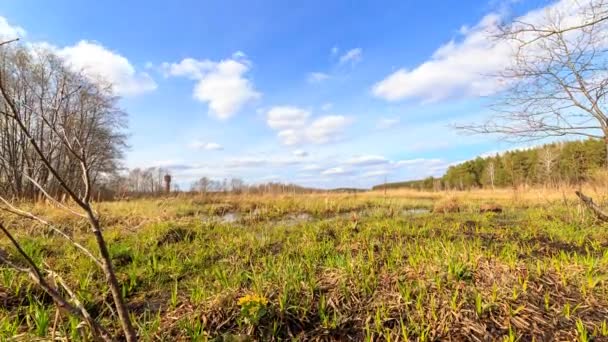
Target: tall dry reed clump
{"x": 449, "y": 204}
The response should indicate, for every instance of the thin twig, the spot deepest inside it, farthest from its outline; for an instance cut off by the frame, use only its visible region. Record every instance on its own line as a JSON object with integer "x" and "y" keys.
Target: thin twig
{"x": 9, "y": 41}
{"x": 12, "y": 209}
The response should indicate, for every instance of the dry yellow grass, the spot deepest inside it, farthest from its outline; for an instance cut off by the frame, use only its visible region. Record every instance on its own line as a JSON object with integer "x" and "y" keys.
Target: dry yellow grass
{"x": 522, "y": 195}
{"x": 333, "y": 266}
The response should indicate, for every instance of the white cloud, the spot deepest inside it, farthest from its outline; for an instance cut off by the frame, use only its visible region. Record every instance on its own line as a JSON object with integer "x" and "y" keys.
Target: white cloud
{"x": 225, "y": 89}
{"x": 246, "y": 162}
{"x": 92, "y": 59}
{"x": 386, "y": 123}
{"x": 367, "y": 160}
{"x": 325, "y": 171}
{"x": 455, "y": 69}
{"x": 264, "y": 161}
{"x": 230, "y": 166}
{"x": 8, "y": 31}
{"x": 327, "y": 129}
{"x": 352, "y": 56}
{"x": 375, "y": 173}
{"x": 171, "y": 164}
{"x": 300, "y": 153}
{"x": 188, "y": 67}
{"x": 290, "y": 137}
{"x": 213, "y": 146}
{"x": 334, "y": 50}
{"x": 294, "y": 127}
{"x": 312, "y": 167}
{"x": 98, "y": 62}
{"x": 317, "y": 77}
{"x": 335, "y": 171}
{"x": 222, "y": 85}
{"x": 209, "y": 146}
{"x": 284, "y": 117}
{"x": 463, "y": 67}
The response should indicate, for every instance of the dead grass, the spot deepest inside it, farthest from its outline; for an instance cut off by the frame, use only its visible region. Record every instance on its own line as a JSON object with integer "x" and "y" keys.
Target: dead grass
{"x": 354, "y": 268}
{"x": 447, "y": 205}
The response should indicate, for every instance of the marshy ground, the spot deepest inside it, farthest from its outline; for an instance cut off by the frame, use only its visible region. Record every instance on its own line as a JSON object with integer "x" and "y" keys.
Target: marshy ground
{"x": 322, "y": 267}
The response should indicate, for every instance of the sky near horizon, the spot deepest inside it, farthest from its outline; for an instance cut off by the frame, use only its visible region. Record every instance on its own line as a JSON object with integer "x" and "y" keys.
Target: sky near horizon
{"x": 320, "y": 93}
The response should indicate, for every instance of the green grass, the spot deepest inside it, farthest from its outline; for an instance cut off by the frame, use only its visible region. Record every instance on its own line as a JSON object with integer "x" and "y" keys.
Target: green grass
{"x": 357, "y": 267}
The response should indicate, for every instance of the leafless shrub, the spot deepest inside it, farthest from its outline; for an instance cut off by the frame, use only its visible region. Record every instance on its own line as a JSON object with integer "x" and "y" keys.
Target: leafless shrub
{"x": 61, "y": 133}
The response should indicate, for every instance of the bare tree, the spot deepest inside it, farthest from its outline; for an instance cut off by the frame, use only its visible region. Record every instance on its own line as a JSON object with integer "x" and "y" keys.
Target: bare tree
{"x": 64, "y": 133}
{"x": 237, "y": 185}
{"x": 203, "y": 185}
{"x": 491, "y": 170}
{"x": 547, "y": 158}
{"x": 60, "y": 110}
{"x": 558, "y": 81}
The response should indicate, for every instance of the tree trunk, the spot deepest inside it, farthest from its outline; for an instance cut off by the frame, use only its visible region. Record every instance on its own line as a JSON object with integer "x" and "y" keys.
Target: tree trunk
{"x": 106, "y": 259}
{"x": 606, "y": 143}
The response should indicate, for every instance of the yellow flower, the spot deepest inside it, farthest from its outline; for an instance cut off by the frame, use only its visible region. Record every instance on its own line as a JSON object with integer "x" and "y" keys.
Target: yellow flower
{"x": 253, "y": 299}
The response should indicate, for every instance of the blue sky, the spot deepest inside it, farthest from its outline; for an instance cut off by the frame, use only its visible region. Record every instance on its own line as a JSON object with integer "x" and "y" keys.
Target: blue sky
{"x": 321, "y": 93}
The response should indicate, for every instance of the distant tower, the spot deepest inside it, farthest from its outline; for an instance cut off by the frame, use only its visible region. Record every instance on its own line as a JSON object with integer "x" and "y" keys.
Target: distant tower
{"x": 167, "y": 183}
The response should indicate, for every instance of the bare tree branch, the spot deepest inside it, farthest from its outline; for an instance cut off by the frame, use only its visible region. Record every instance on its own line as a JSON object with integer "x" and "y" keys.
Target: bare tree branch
{"x": 557, "y": 81}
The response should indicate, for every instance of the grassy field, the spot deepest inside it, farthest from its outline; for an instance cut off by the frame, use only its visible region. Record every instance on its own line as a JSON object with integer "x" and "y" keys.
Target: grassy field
{"x": 369, "y": 266}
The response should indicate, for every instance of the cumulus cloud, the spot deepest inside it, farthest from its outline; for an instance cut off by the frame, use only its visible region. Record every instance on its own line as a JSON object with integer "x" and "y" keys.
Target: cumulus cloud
{"x": 335, "y": 171}
{"x": 8, "y": 31}
{"x": 290, "y": 137}
{"x": 98, "y": 62}
{"x": 285, "y": 117}
{"x": 209, "y": 146}
{"x": 294, "y": 126}
{"x": 352, "y": 56}
{"x": 455, "y": 69}
{"x": 327, "y": 129}
{"x": 367, "y": 160}
{"x": 317, "y": 77}
{"x": 222, "y": 85}
{"x": 92, "y": 59}
{"x": 463, "y": 67}
{"x": 188, "y": 67}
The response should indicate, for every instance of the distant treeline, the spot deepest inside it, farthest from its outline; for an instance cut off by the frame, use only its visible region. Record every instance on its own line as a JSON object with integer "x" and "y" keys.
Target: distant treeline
{"x": 237, "y": 186}
{"x": 570, "y": 162}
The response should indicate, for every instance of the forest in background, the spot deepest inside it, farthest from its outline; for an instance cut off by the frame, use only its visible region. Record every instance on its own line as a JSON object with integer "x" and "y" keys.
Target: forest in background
{"x": 558, "y": 163}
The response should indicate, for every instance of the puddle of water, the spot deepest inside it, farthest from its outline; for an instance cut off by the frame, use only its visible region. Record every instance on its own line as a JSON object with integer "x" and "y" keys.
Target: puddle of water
{"x": 294, "y": 219}
{"x": 303, "y": 217}
{"x": 230, "y": 217}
